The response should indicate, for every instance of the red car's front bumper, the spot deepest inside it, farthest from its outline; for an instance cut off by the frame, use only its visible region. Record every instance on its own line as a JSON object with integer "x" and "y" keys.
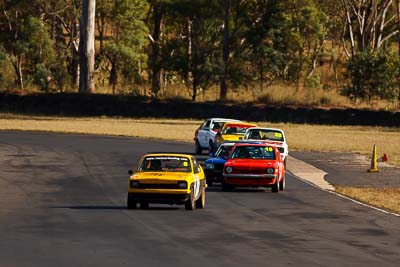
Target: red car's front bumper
{"x": 250, "y": 179}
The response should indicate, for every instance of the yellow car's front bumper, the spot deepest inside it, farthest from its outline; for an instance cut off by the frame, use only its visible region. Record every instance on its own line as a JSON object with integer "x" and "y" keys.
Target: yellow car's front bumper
{"x": 160, "y": 196}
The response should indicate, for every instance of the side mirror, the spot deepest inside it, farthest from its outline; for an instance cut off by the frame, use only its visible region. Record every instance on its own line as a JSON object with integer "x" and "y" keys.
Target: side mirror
{"x": 130, "y": 172}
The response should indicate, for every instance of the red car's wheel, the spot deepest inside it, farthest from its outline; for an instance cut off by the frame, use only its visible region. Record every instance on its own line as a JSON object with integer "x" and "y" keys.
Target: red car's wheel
{"x": 275, "y": 186}
{"x": 282, "y": 184}
{"x": 226, "y": 187}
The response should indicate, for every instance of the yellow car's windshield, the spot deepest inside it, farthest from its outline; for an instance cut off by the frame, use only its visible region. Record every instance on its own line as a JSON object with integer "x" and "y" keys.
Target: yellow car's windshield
{"x": 165, "y": 164}
{"x": 233, "y": 129}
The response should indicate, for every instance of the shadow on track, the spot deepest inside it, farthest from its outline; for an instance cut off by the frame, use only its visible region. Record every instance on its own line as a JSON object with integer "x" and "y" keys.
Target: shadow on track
{"x": 104, "y": 207}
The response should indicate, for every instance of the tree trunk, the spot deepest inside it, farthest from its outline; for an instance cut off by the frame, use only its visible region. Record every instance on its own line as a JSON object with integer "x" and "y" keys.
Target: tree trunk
{"x": 75, "y": 69}
{"x": 194, "y": 86}
{"x": 189, "y": 51}
{"x": 225, "y": 52}
{"x": 398, "y": 24}
{"x": 398, "y": 28}
{"x": 18, "y": 71}
{"x": 87, "y": 50}
{"x": 113, "y": 79}
{"x": 155, "y": 62}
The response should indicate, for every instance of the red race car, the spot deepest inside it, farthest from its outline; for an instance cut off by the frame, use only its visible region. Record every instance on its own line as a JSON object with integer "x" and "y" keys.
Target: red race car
{"x": 254, "y": 165}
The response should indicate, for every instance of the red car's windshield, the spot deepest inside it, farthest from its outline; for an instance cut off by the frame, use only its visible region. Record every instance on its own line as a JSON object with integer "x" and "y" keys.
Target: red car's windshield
{"x": 253, "y": 152}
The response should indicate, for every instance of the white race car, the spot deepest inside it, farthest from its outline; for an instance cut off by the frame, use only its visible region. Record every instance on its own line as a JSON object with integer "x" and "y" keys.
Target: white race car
{"x": 205, "y": 135}
{"x": 269, "y": 135}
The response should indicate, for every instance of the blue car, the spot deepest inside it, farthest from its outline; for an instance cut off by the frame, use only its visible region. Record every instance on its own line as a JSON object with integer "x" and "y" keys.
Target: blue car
{"x": 214, "y": 166}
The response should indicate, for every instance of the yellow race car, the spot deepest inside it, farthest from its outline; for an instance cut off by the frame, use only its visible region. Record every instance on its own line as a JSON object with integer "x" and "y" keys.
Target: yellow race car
{"x": 167, "y": 179}
{"x": 232, "y": 131}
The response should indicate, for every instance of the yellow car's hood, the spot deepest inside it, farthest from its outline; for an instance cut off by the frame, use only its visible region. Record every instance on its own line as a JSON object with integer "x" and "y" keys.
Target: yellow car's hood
{"x": 160, "y": 176}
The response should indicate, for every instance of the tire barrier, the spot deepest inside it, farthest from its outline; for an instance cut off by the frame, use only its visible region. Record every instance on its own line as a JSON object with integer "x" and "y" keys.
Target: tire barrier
{"x": 74, "y": 104}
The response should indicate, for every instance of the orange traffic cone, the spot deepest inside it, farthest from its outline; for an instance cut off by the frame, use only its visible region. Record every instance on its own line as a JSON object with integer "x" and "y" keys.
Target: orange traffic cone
{"x": 374, "y": 161}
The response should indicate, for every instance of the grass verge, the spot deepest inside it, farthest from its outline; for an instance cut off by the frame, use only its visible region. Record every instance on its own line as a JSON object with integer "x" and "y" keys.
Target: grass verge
{"x": 354, "y": 139}
{"x": 385, "y": 198}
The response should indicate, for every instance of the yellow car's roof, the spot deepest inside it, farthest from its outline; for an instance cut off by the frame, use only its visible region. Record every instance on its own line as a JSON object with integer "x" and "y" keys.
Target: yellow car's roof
{"x": 239, "y": 124}
{"x": 167, "y": 155}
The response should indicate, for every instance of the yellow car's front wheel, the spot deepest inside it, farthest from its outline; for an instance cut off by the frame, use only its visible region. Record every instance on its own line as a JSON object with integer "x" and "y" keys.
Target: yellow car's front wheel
{"x": 131, "y": 203}
{"x": 201, "y": 202}
{"x": 191, "y": 203}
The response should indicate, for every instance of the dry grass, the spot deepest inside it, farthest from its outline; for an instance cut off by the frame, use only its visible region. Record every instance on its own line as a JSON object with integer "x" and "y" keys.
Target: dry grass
{"x": 278, "y": 94}
{"x": 386, "y": 198}
{"x": 146, "y": 128}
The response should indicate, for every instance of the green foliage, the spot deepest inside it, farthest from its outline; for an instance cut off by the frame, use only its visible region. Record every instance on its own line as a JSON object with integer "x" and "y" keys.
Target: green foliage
{"x": 194, "y": 48}
{"x": 37, "y": 48}
{"x": 126, "y": 48}
{"x": 42, "y": 77}
{"x": 4, "y": 81}
{"x": 373, "y": 74}
{"x": 313, "y": 82}
{"x": 270, "y": 42}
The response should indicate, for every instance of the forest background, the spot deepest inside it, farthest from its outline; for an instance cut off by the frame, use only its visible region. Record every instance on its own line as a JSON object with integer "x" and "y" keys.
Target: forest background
{"x": 283, "y": 52}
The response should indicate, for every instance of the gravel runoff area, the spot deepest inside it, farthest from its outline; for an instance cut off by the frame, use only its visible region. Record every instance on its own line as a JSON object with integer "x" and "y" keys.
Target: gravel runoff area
{"x": 350, "y": 169}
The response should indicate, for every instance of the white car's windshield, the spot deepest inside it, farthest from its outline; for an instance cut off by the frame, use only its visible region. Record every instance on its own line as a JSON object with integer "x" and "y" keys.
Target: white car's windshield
{"x": 261, "y": 134}
{"x": 165, "y": 164}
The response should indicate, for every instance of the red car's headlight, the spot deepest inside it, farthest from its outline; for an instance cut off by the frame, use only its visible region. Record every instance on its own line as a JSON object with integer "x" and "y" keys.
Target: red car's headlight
{"x": 270, "y": 170}
{"x": 228, "y": 169}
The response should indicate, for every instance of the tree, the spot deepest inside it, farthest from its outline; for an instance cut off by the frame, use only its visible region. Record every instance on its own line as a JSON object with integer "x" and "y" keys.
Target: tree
{"x": 26, "y": 42}
{"x": 193, "y": 49}
{"x": 369, "y": 24}
{"x": 158, "y": 12}
{"x": 301, "y": 37}
{"x": 87, "y": 47}
{"x": 62, "y": 18}
{"x": 225, "y": 51}
{"x": 373, "y": 74}
{"x": 128, "y": 39}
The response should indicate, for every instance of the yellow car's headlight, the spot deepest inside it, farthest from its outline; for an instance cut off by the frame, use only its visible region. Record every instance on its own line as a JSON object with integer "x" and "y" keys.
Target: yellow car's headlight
{"x": 182, "y": 185}
{"x": 134, "y": 184}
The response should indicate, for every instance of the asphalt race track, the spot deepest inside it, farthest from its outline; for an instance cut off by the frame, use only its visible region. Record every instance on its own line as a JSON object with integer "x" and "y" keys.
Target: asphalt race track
{"x": 63, "y": 197}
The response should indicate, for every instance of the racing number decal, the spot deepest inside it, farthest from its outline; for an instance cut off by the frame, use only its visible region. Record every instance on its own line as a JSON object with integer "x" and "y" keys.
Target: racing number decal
{"x": 196, "y": 186}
